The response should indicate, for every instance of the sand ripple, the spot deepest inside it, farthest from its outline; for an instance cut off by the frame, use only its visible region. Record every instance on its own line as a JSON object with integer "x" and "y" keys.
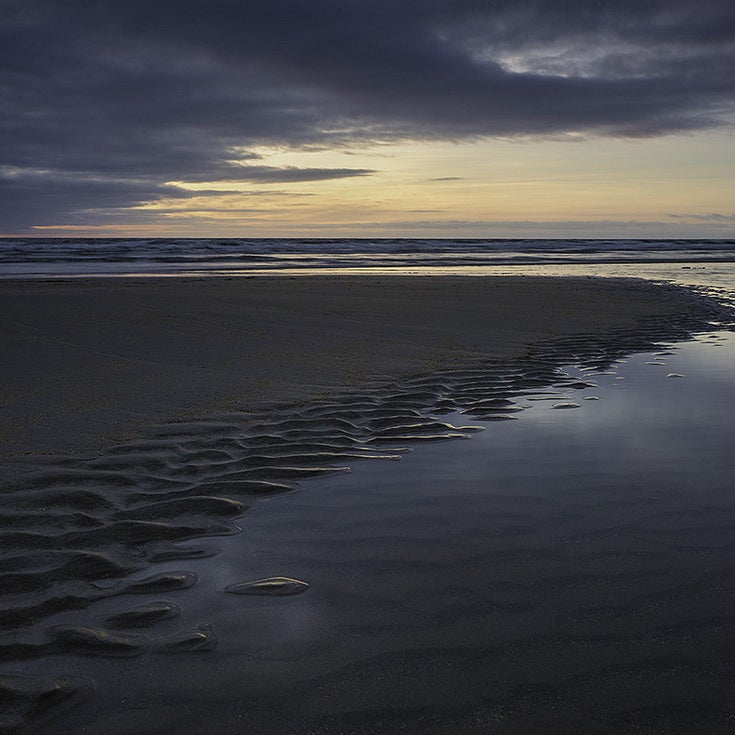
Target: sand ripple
{"x": 75, "y": 533}
{"x": 269, "y": 586}
{"x": 144, "y": 615}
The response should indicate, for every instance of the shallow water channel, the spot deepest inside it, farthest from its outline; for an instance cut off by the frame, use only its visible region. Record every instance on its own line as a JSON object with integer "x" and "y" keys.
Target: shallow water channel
{"x": 569, "y": 569}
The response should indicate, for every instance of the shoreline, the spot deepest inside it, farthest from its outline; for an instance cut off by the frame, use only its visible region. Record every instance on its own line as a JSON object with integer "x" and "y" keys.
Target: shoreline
{"x": 89, "y": 363}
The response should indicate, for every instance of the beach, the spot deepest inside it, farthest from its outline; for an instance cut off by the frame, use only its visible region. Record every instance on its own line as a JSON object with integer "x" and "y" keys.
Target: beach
{"x": 246, "y": 503}
{"x": 94, "y": 362}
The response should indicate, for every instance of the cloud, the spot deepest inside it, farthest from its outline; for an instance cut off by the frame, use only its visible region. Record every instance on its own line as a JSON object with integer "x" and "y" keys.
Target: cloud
{"x": 44, "y": 198}
{"x": 175, "y": 90}
{"x": 541, "y": 229}
{"x": 282, "y": 174}
{"x": 712, "y": 217}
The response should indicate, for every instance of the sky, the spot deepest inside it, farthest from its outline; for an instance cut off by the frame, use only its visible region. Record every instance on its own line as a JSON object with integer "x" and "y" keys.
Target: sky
{"x": 365, "y": 118}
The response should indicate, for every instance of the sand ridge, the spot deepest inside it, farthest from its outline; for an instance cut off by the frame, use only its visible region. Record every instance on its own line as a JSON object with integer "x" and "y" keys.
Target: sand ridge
{"x": 87, "y": 363}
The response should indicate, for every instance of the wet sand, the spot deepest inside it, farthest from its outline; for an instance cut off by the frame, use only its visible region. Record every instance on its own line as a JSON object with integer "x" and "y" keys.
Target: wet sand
{"x": 86, "y": 363}
{"x": 116, "y": 554}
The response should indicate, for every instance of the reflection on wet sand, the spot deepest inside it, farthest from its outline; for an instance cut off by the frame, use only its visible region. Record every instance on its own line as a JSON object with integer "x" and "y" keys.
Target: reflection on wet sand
{"x": 85, "y": 534}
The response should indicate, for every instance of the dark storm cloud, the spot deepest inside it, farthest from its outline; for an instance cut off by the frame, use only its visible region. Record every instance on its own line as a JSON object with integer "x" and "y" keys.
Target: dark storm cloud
{"x": 46, "y": 198}
{"x": 178, "y": 90}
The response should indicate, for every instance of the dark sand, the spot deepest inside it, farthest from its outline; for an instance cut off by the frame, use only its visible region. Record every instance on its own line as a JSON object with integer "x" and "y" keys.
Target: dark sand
{"x": 88, "y": 363}
{"x": 269, "y": 383}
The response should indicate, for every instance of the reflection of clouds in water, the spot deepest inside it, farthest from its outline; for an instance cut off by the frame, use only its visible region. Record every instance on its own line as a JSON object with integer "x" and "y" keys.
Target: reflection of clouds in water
{"x": 587, "y": 513}
{"x": 714, "y": 365}
{"x": 648, "y": 418}
{"x": 272, "y": 627}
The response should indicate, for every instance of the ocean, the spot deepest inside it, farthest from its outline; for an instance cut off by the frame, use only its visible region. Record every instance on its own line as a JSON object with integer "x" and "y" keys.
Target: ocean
{"x": 40, "y": 258}
{"x": 706, "y": 265}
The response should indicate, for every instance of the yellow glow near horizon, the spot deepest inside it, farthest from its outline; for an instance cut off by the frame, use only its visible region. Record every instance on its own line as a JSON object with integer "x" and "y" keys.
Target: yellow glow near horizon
{"x": 451, "y": 189}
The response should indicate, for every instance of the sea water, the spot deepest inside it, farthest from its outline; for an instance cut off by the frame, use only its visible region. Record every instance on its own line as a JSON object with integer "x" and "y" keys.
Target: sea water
{"x": 44, "y": 257}
{"x": 703, "y": 264}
